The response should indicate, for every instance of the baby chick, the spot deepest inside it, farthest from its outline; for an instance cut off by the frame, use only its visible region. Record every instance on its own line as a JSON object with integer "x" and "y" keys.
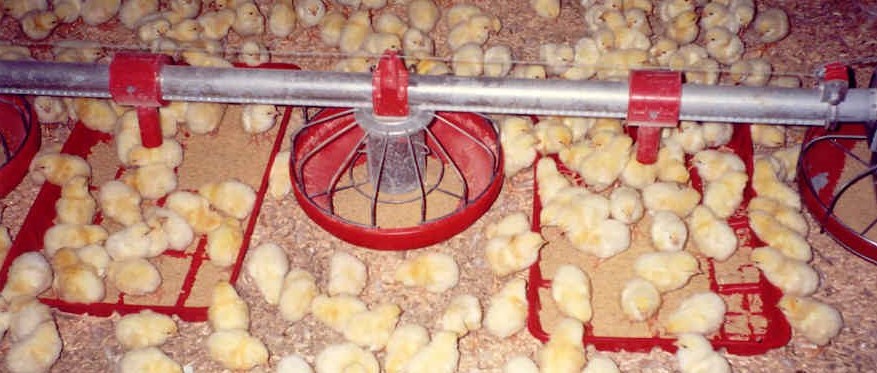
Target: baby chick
{"x": 510, "y": 252}
{"x": 148, "y": 360}
{"x": 335, "y": 312}
{"x": 248, "y": 20}
{"x": 66, "y": 10}
{"x": 144, "y": 329}
{"x": 600, "y": 364}
{"x": 72, "y": 236}
{"x": 347, "y": 274}
{"x": 391, "y": 24}
{"x": 195, "y": 209}
{"x": 683, "y": 28}
{"x": 712, "y": 165}
{"x": 120, "y": 202}
{"x": 293, "y": 364}
{"x": 666, "y": 270}
{"x": 521, "y": 71}
{"x": 95, "y": 12}
{"x": 695, "y": 354}
{"x": 76, "y": 205}
{"x": 668, "y": 232}
{"x": 131, "y": 11}
{"x": 766, "y": 182}
{"x": 725, "y": 195}
{"x": 771, "y": 25}
{"x": 507, "y": 310}
{"x": 227, "y": 311}
{"x": 546, "y": 8}
{"x": 153, "y": 181}
{"x": 716, "y": 14}
{"x": 346, "y": 357}
{"x": 204, "y": 117}
{"x": 330, "y": 27}
{"x": 176, "y": 231}
{"x": 281, "y": 19}
{"x": 571, "y": 291}
{"x": 188, "y": 30}
{"x": 603, "y": 240}
{"x": 185, "y": 9}
{"x": 215, "y": 24}
{"x": 768, "y": 135}
{"x": 671, "y": 163}
{"x": 587, "y": 53}
{"x": 309, "y": 12}
{"x": 371, "y": 329}
{"x": 712, "y": 235}
{"x": 232, "y": 197}
{"x": 462, "y": 315}
{"x": 468, "y": 60}
{"x": 780, "y": 237}
{"x": 689, "y": 135}
{"x": 436, "y": 272}
{"x": 661, "y": 51}
{"x": 640, "y": 299}
{"x": 153, "y": 28}
{"x": 716, "y": 134}
{"x": 236, "y": 349}
{"x": 638, "y": 175}
{"x": 518, "y": 143}
{"x": 474, "y": 30}
{"x": 38, "y": 25}
{"x": 786, "y": 215}
{"x": 564, "y": 351}
{"x": 440, "y": 355}
{"x": 625, "y": 205}
{"x": 816, "y": 321}
{"x": 267, "y": 266}
{"x": 169, "y": 153}
{"x": 601, "y": 168}
{"x": 557, "y": 57}
{"x": 18, "y": 9}
{"x": 416, "y": 44}
{"x": 723, "y": 45}
{"x": 36, "y": 352}
{"x": 677, "y": 198}
{"x": 28, "y": 276}
{"x": 299, "y": 290}
{"x": 751, "y": 72}
{"x": 354, "y": 32}
{"x": 224, "y": 243}
{"x": 58, "y": 168}
{"x": 788, "y": 157}
{"x": 701, "y": 313}
{"x": 50, "y": 109}
{"x": 75, "y": 281}
{"x": 279, "y": 182}
{"x": 520, "y": 364}
{"x": 423, "y": 15}
{"x": 668, "y": 9}
{"x": 793, "y": 277}
{"x": 26, "y": 314}
{"x": 134, "y": 276}
{"x": 497, "y": 61}
{"x": 405, "y": 341}
{"x": 377, "y": 43}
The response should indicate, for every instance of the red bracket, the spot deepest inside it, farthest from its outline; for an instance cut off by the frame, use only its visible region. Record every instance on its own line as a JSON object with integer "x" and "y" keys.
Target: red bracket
{"x": 835, "y": 71}
{"x": 390, "y": 86}
{"x": 134, "y": 80}
{"x": 655, "y": 97}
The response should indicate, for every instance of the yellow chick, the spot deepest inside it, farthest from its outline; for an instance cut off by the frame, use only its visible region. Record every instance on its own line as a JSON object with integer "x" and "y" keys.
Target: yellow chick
{"x": 626, "y": 205}
{"x": 683, "y": 28}
{"x": 579, "y": 126}
{"x": 557, "y": 57}
{"x": 751, "y": 72}
{"x": 712, "y": 235}
{"x": 73, "y": 236}
{"x": 36, "y": 352}
{"x": 176, "y": 231}
{"x": 564, "y": 351}
{"x": 281, "y": 19}
{"x": 786, "y": 215}
{"x": 18, "y": 9}
{"x": 28, "y": 276}
{"x": 354, "y": 65}
{"x": 195, "y": 209}
{"x": 96, "y": 12}
{"x": 58, "y": 168}
{"x": 662, "y": 49}
{"x": 258, "y": 118}
{"x": 780, "y": 237}
{"x": 571, "y": 291}
{"x": 507, "y": 310}
{"x": 436, "y": 272}
{"x": 725, "y": 195}
{"x": 549, "y": 180}
{"x": 587, "y": 54}
{"x": 668, "y": 232}
{"x": 816, "y": 321}
{"x": 603, "y": 16}
{"x": 475, "y": 30}
{"x": 309, "y": 12}
{"x": 497, "y": 61}
{"x": 669, "y": 9}
{"x": 74, "y": 281}
{"x": 347, "y": 274}
{"x": 391, "y": 24}
{"x": 518, "y": 142}
{"x": 134, "y": 276}
{"x": 267, "y": 265}
{"x": 603, "y": 240}
{"x": 204, "y": 117}
{"x": 354, "y": 32}
{"x": 153, "y": 181}
{"x": 94, "y": 257}
{"x": 279, "y": 181}
{"x": 131, "y": 11}
{"x": 577, "y": 211}
{"x": 616, "y": 64}
{"x": 638, "y": 175}
{"x": 232, "y": 197}
{"x": 527, "y": 71}
{"x": 768, "y": 135}
{"x": 640, "y": 299}
{"x": 144, "y": 329}
{"x": 440, "y": 355}
{"x": 627, "y": 38}
{"x": 26, "y": 314}
{"x": 405, "y": 341}
{"x": 771, "y": 25}
{"x": 227, "y": 310}
{"x": 462, "y": 315}
{"x": 546, "y": 8}
{"x": 67, "y": 10}
{"x": 423, "y": 15}
{"x": 148, "y": 360}
{"x": 788, "y": 157}
{"x": 716, "y": 14}
{"x": 677, "y": 198}
{"x": 716, "y": 134}
{"x": 767, "y": 183}
{"x": 335, "y": 312}
{"x": 712, "y": 165}
{"x": 600, "y": 169}
{"x": 668, "y": 271}
{"x": 38, "y": 25}
{"x": 76, "y": 205}
{"x": 169, "y": 153}
{"x": 120, "y": 202}
{"x": 600, "y": 364}
{"x": 293, "y": 364}
{"x": 689, "y": 135}
{"x": 224, "y": 243}
{"x": 793, "y": 277}
{"x": 723, "y": 45}
{"x": 671, "y": 163}
{"x": 346, "y": 357}
{"x": 236, "y": 349}
{"x": 508, "y": 254}
{"x": 377, "y": 43}
{"x": 372, "y": 329}
{"x": 637, "y": 18}
{"x": 520, "y": 364}
{"x": 416, "y": 44}
{"x": 460, "y": 13}
{"x": 299, "y": 290}
{"x": 188, "y": 30}
{"x": 50, "y": 109}
{"x": 248, "y": 20}
{"x": 127, "y": 135}
{"x": 696, "y": 354}
{"x": 185, "y": 9}
{"x": 701, "y": 313}
{"x": 468, "y": 60}
{"x": 153, "y": 28}
{"x": 215, "y": 24}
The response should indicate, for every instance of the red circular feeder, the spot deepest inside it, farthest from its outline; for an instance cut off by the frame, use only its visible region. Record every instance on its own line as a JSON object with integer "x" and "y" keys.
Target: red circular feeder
{"x": 19, "y": 141}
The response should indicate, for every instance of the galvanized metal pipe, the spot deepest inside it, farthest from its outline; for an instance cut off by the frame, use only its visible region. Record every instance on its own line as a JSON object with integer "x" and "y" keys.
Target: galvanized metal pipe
{"x": 801, "y": 106}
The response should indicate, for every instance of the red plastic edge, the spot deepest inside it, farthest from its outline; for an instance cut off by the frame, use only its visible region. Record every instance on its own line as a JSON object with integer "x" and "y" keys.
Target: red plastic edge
{"x": 778, "y": 332}
{"x": 655, "y": 98}
{"x": 42, "y": 213}
{"x": 390, "y": 86}
{"x": 15, "y": 111}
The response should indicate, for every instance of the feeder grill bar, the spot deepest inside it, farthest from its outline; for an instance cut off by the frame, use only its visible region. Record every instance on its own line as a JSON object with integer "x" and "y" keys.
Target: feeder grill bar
{"x": 735, "y": 104}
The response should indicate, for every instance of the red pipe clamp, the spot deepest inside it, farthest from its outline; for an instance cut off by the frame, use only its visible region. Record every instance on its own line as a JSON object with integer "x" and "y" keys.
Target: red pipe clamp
{"x": 134, "y": 80}
{"x": 390, "y": 83}
{"x": 655, "y": 97}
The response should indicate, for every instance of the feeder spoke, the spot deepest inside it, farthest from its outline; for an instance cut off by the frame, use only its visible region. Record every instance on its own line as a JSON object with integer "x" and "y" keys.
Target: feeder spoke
{"x": 373, "y": 211}
{"x": 419, "y": 178}
{"x": 453, "y": 164}
{"x": 475, "y": 140}
{"x": 868, "y": 228}
{"x": 317, "y": 149}
{"x": 346, "y": 164}
{"x": 328, "y": 118}
{"x": 847, "y": 185}
{"x": 833, "y": 141}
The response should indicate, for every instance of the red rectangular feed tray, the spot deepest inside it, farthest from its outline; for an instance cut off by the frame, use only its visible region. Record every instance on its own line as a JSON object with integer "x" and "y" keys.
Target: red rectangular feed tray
{"x": 777, "y": 332}
{"x": 41, "y": 215}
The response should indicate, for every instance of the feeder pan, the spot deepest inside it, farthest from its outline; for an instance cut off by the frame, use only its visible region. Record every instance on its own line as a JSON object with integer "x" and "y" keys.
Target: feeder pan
{"x": 837, "y": 177}
{"x": 19, "y": 141}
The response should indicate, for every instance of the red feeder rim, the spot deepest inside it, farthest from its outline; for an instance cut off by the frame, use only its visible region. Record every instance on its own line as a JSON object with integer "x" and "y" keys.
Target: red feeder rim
{"x": 20, "y": 136}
